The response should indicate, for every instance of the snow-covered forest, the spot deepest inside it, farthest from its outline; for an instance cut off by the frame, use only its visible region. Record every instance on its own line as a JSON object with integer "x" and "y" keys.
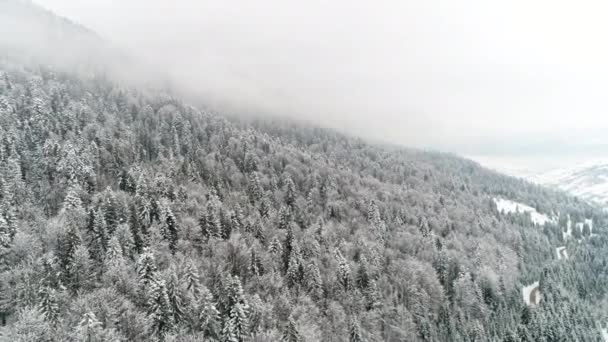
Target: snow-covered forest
{"x": 129, "y": 215}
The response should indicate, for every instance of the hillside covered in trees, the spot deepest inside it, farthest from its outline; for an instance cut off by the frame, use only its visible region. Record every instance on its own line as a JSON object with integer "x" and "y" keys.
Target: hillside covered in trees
{"x": 129, "y": 215}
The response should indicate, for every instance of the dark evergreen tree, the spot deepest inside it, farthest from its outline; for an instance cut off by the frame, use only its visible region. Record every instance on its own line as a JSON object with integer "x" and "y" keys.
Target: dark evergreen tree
{"x": 354, "y": 330}
{"x": 290, "y": 332}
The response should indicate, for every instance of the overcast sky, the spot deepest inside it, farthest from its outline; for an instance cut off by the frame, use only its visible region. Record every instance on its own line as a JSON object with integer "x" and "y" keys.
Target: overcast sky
{"x": 453, "y": 75}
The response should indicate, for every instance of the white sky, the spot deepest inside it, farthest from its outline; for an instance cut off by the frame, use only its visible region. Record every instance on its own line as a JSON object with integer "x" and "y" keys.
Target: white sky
{"x": 435, "y": 73}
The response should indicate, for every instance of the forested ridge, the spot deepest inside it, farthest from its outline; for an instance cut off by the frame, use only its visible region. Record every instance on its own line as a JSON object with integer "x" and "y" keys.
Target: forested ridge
{"x": 129, "y": 215}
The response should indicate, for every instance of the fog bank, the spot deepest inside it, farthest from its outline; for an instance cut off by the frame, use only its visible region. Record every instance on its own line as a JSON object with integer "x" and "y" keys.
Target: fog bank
{"x": 456, "y": 76}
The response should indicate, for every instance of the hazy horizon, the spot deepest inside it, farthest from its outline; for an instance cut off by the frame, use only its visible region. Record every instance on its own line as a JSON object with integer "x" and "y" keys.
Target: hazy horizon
{"x": 469, "y": 78}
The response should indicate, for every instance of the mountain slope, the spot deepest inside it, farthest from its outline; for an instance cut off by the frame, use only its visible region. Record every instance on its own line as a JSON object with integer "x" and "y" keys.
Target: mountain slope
{"x": 126, "y": 214}
{"x": 588, "y": 181}
{"x": 35, "y": 36}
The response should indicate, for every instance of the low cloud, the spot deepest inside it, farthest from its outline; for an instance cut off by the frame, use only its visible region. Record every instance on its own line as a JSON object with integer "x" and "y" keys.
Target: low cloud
{"x": 441, "y": 74}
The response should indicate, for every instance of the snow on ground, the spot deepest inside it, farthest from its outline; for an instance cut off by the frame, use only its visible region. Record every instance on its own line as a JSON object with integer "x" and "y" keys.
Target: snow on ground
{"x": 531, "y": 294}
{"x": 588, "y": 181}
{"x": 561, "y": 252}
{"x": 568, "y": 233}
{"x": 581, "y": 225}
{"x": 589, "y": 222}
{"x": 508, "y": 206}
{"x": 605, "y": 334}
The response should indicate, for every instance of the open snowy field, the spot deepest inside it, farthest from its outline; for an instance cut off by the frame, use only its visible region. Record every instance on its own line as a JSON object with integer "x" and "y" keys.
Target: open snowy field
{"x": 508, "y": 206}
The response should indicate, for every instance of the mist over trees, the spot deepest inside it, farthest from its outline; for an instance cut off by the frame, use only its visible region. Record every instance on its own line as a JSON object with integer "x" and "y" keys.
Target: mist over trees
{"x": 127, "y": 214}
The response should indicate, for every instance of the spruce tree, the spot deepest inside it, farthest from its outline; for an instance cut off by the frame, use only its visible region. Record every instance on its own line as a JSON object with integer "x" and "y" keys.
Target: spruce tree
{"x": 114, "y": 254}
{"x": 255, "y": 265}
{"x": 169, "y": 228}
{"x": 110, "y": 207}
{"x": 82, "y": 269}
{"x": 67, "y": 246}
{"x": 192, "y": 278}
{"x": 239, "y": 321}
{"x": 209, "y": 316}
{"x": 255, "y": 190}
{"x": 290, "y": 192}
{"x": 344, "y": 273}
{"x": 5, "y": 233}
{"x": 99, "y": 241}
{"x": 90, "y": 328}
{"x": 146, "y": 267}
{"x": 363, "y": 277}
{"x": 159, "y": 307}
{"x": 295, "y": 269}
{"x": 234, "y": 309}
{"x": 176, "y": 298}
{"x": 264, "y": 208}
{"x": 48, "y": 304}
{"x": 290, "y": 332}
{"x": 354, "y": 330}
{"x": 275, "y": 247}
{"x": 314, "y": 282}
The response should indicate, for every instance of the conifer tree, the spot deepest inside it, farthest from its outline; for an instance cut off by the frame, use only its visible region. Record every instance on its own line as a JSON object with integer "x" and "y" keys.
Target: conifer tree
{"x": 228, "y": 331}
{"x": 159, "y": 306}
{"x": 110, "y": 207}
{"x": 239, "y": 321}
{"x": 236, "y": 219}
{"x": 234, "y": 309}
{"x": 5, "y": 233}
{"x": 48, "y": 304}
{"x": 169, "y": 228}
{"x": 284, "y": 218}
{"x": 255, "y": 265}
{"x": 7, "y": 213}
{"x": 264, "y": 208}
{"x": 256, "y": 190}
{"x": 146, "y": 267}
{"x": 72, "y": 201}
{"x": 65, "y": 252}
{"x": 125, "y": 239}
{"x": 211, "y": 224}
{"x": 99, "y": 240}
{"x": 344, "y": 272}
{"x": 192, "y": 278}
{"x": 354, "y": 330}
{"x": 314, "y": 282}
{"x": 275, "y": 246}
{"x": 176, "y": 298}
{"x": 90, "y": 328}
{"x": 363, "y": 277}
{"x": 204, "y": 224}
{"x": 209, "y": 316}
{"x": 295, "y": 269}
{"x": 290, "y": 192}
{"x": 145, "y": 211}
{"x": 290, "y": 332}
{"x": 372, "y": 295}
{"x": 82, "y": 272}
{"x": 114, "y": 254}
{"x": 287, "y": 247}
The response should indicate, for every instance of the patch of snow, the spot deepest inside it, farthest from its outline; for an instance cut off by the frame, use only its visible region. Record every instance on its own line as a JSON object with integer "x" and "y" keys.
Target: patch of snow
{"x": 568, "y": 232}
{"x": 561, "y": 252}
{"x": 589, "y": 222}
{"x": 579, "y": 225}
{"x": 508, "y": 206}
{"x": 605, "y": 334}
{"x": 588, "y": 181}
{"x": 531, "y": 294}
